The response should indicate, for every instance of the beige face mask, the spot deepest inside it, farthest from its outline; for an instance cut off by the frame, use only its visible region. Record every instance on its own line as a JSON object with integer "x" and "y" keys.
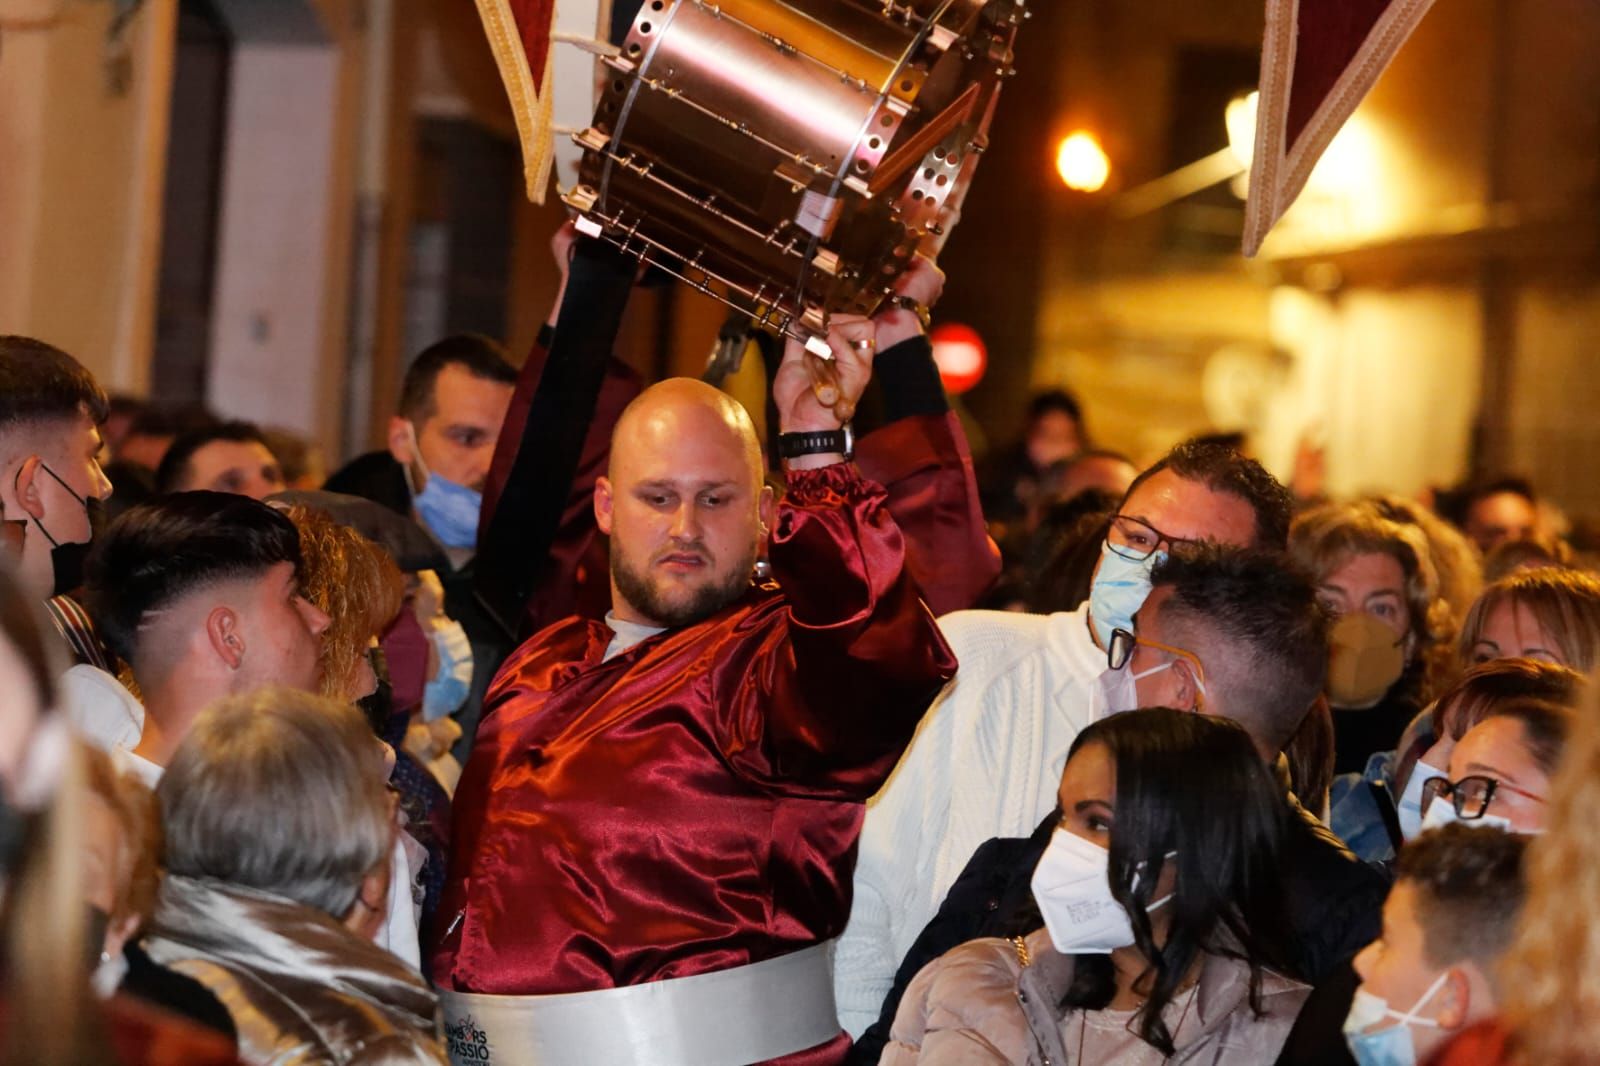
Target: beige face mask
{"x": 1365, "y": 659}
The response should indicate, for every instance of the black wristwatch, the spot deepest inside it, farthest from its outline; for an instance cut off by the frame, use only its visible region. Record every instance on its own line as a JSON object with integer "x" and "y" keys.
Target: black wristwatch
{"x": 819, "y": 442}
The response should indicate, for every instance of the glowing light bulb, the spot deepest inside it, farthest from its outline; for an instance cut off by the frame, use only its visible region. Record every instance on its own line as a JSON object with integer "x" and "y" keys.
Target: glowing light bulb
{"x": 1082, "y": 163}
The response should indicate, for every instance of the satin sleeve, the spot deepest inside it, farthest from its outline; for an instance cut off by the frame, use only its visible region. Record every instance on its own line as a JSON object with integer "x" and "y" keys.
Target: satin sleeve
{"x": 831, "y": 698}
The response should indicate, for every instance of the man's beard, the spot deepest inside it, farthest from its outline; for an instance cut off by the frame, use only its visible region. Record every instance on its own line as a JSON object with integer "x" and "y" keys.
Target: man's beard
{"x": 706, "y": 600}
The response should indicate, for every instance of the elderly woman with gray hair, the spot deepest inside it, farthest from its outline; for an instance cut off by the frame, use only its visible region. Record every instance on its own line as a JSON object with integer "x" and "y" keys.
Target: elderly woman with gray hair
{"x": 279, "y": 834}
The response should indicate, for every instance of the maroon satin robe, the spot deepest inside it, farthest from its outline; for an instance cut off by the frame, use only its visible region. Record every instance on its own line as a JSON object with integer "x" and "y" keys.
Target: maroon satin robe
{"x": 693, "y": 804}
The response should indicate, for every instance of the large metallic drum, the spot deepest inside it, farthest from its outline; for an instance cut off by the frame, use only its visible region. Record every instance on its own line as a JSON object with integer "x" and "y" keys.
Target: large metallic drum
{"x": 789, "y": 156}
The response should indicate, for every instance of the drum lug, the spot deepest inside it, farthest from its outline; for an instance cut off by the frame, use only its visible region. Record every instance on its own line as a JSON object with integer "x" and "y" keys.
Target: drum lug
{"x": 815, "y": 319}
{"x": 581, "y": 198}
{"x": 593, "y": 139}
{"x": 827, "y": 262}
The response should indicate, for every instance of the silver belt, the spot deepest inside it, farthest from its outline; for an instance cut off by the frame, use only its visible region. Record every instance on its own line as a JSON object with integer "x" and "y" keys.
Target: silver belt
{"x": 729, "y": 1018}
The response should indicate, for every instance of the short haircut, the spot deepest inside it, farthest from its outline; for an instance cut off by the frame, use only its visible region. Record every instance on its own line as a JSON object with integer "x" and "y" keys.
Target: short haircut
{"x": 1489, "y": 685}
{"x": 175, "y": 469}
{"x": 1545, "y": 728}
{"x": 1223, "y": 469}
{"x": 279, "y": 791}
{"x": 1253, "y": 619}
{"x": 39, "y": 383}
{"x": 1059, "y": 400}
{"x": 1470, "y": 887}
{"x": 480, "y": 356}
{"x": 1565, "y": 603}
{"x": 162, "y": 550}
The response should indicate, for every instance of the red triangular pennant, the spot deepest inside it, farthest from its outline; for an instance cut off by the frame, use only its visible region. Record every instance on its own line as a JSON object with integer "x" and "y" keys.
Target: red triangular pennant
{"x": 1318, "y": 60}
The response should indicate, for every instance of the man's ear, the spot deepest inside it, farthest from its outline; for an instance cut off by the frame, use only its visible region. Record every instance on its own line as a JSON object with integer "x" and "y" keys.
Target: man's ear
{"x": 602, "y": 504}
{"x": 401, "y": 435}
{"x": 1455, "y": 1001}
{"x": 1188, "y": 694}
{"x": 767, "y": 508}
{"x": 26, "y": 482}
{"x": 222, "y": 632}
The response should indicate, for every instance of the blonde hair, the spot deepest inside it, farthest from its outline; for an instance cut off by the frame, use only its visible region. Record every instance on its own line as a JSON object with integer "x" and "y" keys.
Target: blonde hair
{"x": 1325, "y": 538}
{"x": 354, "y": 582}
{"x": 1551, "y": 974}
{"x": 138, "y": 820}
{"x": 1565, "y": 603}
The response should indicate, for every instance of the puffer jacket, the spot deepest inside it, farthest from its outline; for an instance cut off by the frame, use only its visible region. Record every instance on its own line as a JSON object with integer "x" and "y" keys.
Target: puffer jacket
{"x": 979, "y": 1005}
{"x": 302, "y": 989}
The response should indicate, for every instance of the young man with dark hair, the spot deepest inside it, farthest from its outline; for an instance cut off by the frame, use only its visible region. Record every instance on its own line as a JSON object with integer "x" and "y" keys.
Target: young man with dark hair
{"x": 453, "y": 406}
{"x": 50, "y": 413}
{"x": 453, "y": 402}
{"x": 227, "y": 457}
{"x": 1251, "y": 621}
{"x": 199, "y": 593}
{"x": 988, "y": 756}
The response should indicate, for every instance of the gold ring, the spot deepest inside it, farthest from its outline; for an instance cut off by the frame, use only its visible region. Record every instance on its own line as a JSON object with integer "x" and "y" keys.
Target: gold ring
{"x": 866, "y": 344}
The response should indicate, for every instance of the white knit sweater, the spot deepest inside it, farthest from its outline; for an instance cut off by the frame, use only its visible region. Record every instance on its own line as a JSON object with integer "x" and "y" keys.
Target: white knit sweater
{"x": 985, "y": 762}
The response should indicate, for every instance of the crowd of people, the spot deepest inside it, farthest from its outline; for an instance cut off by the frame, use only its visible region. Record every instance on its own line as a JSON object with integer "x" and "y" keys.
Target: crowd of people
{"x": 584, "y": 724}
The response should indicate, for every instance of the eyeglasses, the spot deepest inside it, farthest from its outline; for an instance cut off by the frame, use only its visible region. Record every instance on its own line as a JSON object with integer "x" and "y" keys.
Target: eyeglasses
{"x": 1137, "y": 540}
{"x": 1470, "y": 796}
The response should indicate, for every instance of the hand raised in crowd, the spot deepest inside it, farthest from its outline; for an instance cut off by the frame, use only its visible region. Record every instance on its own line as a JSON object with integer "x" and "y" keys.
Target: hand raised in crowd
{"x": 820, "y": 394}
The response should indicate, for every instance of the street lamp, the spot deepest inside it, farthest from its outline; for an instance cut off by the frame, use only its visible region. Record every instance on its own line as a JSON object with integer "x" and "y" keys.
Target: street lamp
{"x": 1082, "y": 163}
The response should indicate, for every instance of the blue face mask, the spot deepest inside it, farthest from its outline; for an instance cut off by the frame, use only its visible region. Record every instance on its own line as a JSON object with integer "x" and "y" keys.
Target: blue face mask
{"x": 447, "y": 690}
{"x": 1392, "y": 1046}
{"x": 449, "y": 510}
{"x": 1119, "y": 590}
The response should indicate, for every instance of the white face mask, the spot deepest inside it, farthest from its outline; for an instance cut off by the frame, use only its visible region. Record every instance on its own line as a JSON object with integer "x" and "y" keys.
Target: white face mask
{"x": 1392, "y": 1046}
{"x": 1117, "y": 692}
{"x": 1120, "y": 688}
{"x": 1442, "y": 812}
{"x": 1409, "y": 807}
{"x": 1072, "y": 886}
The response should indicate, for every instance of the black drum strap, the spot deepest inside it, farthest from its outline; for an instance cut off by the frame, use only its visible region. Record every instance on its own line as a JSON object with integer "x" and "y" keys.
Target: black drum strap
{"x": 514, "y": 551}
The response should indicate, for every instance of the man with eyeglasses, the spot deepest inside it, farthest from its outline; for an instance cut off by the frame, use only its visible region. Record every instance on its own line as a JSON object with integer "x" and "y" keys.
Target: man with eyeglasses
{"x": 989, "y": 753}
